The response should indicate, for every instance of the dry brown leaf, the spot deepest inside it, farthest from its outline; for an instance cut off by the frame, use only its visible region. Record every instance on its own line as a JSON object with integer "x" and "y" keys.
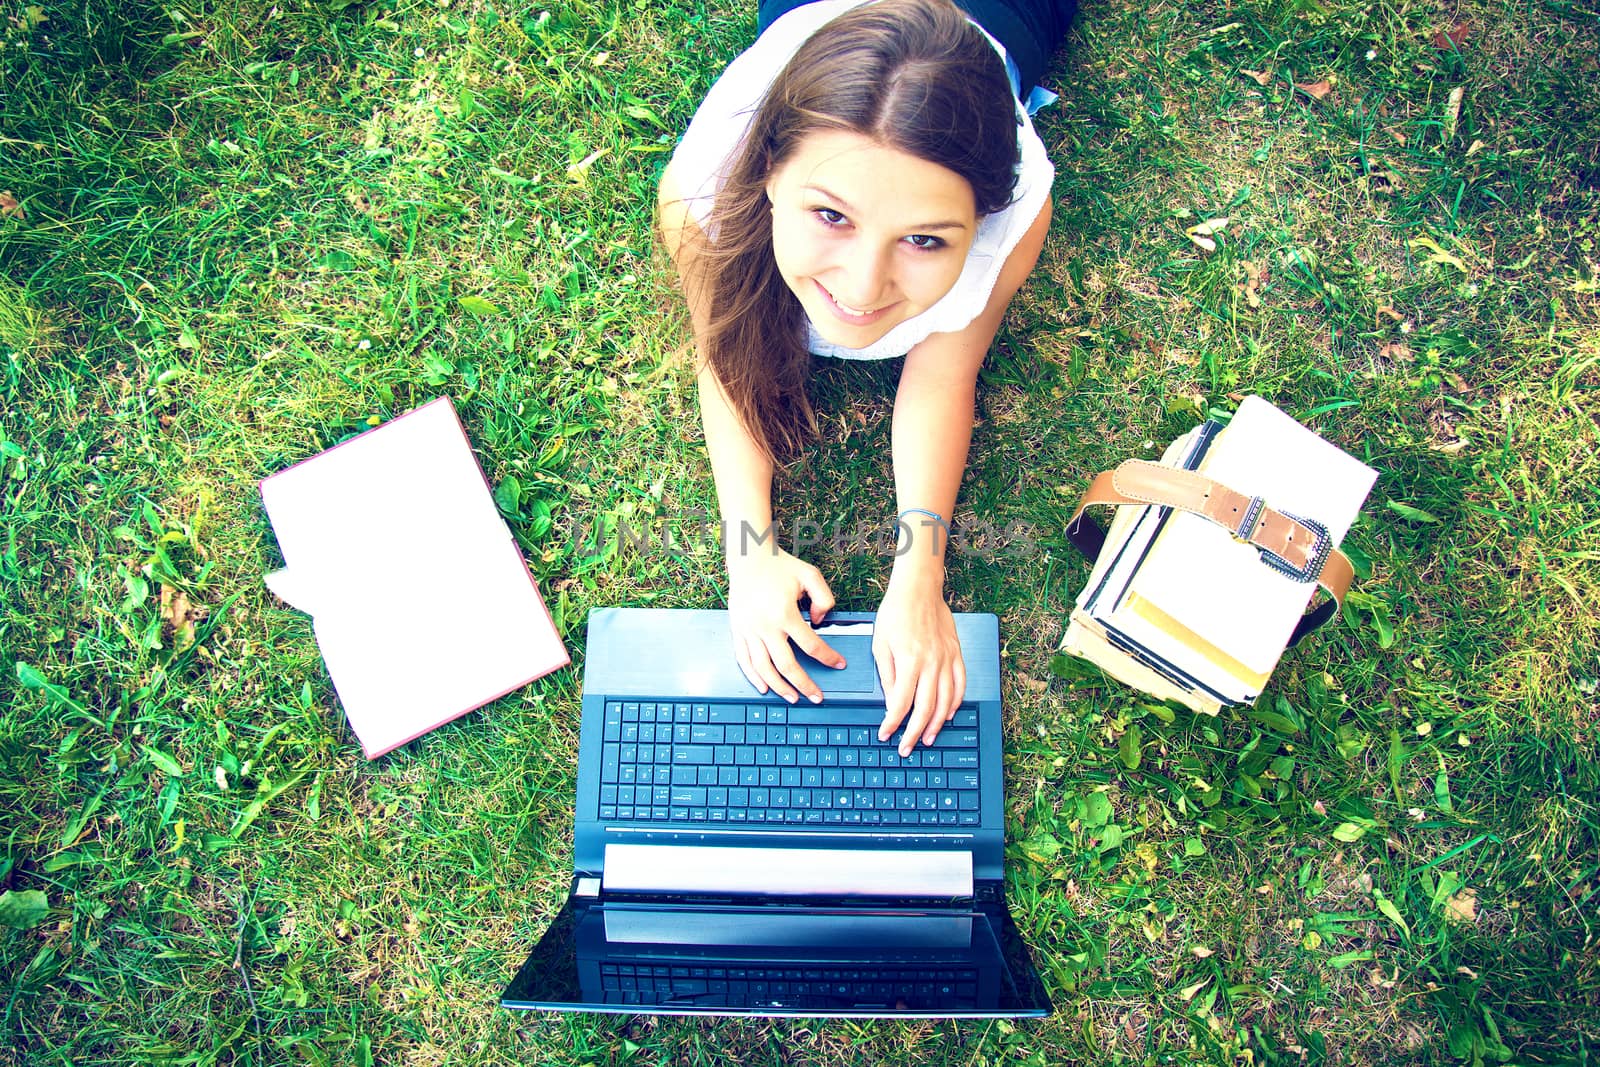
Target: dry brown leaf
{"x": 1452, "y": 39}
{"x": 1262, "y": 78}
{"x": 10, "y": 207}
{"x": 1394, "y": 316}
{"x": 1188, "y": 992}
{"x": 1253, "y": 277}
{"x": 1201, "y": 952}
{"x": 1315, "y": 90}
{"x": 1394, "y": 351}
{"x": 1398, "y": 136}
{"x": 1462, "y": 907}
{"x": 178, "y": 616}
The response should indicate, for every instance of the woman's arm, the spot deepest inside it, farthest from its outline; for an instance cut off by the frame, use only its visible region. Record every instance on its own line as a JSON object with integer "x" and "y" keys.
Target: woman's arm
{"x": 765, "y": 582}
{"x": 916, "y": 647}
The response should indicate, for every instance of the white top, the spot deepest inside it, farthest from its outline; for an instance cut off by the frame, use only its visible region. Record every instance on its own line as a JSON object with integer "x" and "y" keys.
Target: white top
{"x": 703, "y": 157}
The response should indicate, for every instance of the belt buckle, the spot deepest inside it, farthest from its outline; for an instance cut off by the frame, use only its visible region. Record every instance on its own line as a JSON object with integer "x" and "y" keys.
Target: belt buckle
{"x": 1315, "y": 561}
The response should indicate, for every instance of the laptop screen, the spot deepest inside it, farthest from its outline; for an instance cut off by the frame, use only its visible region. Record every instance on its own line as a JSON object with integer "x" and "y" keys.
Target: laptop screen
{"x": 730, "y": 960}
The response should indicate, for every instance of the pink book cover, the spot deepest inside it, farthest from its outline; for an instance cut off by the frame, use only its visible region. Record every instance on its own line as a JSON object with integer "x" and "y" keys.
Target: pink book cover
{"x": 420, "y": 600}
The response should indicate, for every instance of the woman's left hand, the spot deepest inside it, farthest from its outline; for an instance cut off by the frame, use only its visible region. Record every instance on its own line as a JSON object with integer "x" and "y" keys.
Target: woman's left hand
{"x": 919, "y": 657}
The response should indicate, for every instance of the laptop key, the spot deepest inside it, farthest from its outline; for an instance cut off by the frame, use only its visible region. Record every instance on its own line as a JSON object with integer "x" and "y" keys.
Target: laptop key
{"x": 691, "y": 754}
{"x": 725, "y": 713}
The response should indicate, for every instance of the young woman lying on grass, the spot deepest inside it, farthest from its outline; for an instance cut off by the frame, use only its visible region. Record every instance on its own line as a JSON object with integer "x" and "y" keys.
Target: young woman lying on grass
{"x": 862, "y": 183}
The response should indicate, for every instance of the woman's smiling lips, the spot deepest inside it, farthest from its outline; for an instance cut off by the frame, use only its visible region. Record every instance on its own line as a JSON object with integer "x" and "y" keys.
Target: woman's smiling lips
{"x": 849, "y": 314}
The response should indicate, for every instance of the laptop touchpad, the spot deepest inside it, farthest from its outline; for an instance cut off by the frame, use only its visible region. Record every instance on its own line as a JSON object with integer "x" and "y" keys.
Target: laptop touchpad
{"x": 860, "y": 674}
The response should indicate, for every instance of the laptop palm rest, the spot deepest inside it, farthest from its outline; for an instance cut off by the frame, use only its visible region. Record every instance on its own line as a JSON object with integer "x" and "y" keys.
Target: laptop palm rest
{"x": 717, "y": 869}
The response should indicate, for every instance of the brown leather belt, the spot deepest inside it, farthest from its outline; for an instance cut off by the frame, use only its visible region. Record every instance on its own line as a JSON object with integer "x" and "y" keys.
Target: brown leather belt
{"x": 1299, "y": 548}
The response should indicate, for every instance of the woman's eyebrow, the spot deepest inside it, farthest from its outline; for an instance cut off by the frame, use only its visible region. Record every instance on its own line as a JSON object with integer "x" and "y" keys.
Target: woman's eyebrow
{"x": 850, "y": 209}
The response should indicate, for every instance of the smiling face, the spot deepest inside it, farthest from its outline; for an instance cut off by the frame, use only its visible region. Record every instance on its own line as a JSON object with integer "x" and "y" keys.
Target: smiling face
{"x": 865, "y": 235}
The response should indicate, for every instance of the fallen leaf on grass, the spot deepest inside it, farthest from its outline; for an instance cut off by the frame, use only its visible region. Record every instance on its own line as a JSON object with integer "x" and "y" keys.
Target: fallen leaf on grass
{"x": 1452, "y": 39}
{"x": 1254, "y": 275}
{"x": 178, "y": 616}
{"x": 10, "y": 207}
{"x": 1436, "y": 253}
{"x": 578, "y": 173}
{"x": 1202, "y": 233}
{"x": 1395, "y": 352}
{"x": 1462, "y": 907}
{"x": 1452, "y": 112}
{"x": 1262, "y": 78}
{"x": 1392, "y": 314}
{"x": 1201, "y": 952}
{"x": 1188, "y": 992}
{"x": 1315, "y": 90}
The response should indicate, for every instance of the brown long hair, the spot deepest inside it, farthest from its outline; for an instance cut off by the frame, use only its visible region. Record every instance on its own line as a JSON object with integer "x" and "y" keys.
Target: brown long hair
{"x": 914, "y": 75}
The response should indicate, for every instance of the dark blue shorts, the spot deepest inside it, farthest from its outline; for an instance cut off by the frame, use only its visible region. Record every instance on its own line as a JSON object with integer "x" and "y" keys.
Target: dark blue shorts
{"x": 1030, "y": 30}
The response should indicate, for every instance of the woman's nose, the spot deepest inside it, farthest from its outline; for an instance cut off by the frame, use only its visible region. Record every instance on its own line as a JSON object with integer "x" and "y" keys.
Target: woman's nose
{"x": 866, "y": 276}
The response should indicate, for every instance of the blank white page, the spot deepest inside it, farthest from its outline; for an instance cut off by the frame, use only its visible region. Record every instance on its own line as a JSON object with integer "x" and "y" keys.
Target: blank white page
{"x": 422, "y": 604}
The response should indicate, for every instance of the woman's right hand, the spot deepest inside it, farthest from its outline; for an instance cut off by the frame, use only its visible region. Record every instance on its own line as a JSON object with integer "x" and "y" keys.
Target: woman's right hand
{"x": 764, "y": 591}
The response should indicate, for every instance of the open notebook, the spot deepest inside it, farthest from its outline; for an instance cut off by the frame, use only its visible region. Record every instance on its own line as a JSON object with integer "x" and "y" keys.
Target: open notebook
{"x": 420, "y": 600}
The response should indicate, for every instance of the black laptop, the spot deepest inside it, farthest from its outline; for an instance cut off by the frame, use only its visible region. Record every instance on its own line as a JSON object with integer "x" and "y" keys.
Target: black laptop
{"x": 738, "y": 855}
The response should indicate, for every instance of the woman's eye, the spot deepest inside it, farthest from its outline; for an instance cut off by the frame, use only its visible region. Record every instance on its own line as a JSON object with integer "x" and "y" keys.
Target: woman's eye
{"x": 829, "y": 216}
{"x": 925, "y": 241}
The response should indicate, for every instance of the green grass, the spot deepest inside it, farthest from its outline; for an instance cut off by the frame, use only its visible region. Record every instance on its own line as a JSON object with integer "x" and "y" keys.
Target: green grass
{"x": 247, "y": 231}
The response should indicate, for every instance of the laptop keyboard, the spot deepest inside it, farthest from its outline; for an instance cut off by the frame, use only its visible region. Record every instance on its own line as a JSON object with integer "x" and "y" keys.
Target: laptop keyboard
{"x": 764, "y": 763}
{"x": 788, "y": 987}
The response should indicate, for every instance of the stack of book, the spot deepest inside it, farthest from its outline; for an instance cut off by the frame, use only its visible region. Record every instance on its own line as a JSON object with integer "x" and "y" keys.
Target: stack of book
{"x": 1177, "y": 605}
